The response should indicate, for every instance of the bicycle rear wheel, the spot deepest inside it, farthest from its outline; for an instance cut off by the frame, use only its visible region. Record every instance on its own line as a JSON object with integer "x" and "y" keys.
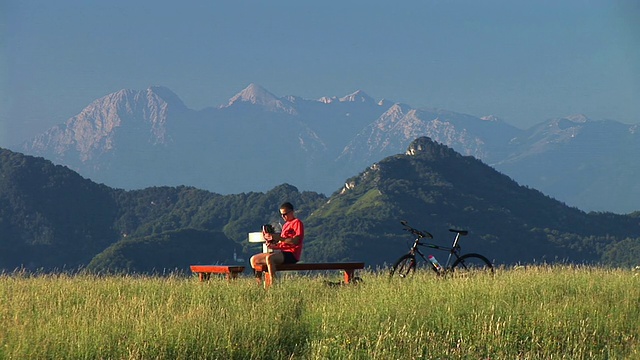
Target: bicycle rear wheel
{"x": 472, "y": 264}
{"x": 404, "y": 266}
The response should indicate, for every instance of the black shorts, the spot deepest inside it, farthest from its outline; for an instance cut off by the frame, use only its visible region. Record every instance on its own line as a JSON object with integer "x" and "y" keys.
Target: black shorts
{"x": 289, "y": 258}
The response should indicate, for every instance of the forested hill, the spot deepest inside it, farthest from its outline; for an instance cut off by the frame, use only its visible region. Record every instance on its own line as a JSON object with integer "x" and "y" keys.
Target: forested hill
{"x": 53, "y": 219}
{"x": 436, "y": 188}
{"x": 50, "y": 216}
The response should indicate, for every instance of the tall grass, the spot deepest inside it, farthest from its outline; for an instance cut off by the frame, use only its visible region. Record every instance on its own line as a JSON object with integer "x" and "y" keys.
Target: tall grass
{"x": 523, "y": 313}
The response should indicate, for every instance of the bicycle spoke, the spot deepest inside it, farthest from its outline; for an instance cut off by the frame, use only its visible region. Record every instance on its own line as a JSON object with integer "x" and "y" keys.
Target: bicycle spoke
{"x": 471, "y": 264}
{"x": 404, "y": 267}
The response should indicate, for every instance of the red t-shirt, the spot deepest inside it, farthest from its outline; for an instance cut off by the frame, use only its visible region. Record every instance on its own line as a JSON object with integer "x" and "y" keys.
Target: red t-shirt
{"x": 292, "y": 229}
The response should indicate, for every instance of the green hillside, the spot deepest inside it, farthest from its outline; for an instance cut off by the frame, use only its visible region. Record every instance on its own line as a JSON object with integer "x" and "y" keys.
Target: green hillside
{"x": 166, "y": 252}
{"x": 52, "y": 219}
{"x": 435, "y": 188}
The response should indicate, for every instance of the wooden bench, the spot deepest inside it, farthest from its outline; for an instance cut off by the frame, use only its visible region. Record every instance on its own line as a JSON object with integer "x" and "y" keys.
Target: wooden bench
{"x": 348, "y": 267}
{"x": 205, "y": 271}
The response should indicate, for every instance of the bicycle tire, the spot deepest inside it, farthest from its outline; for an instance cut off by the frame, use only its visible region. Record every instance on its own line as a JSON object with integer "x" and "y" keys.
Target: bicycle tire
{"x": 404, "y": 266}
{"x": 472, "y": 263}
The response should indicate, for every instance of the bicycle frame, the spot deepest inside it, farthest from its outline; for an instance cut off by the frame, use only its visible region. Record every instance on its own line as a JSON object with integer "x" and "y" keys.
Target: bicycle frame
{"x": 454, "y": 250}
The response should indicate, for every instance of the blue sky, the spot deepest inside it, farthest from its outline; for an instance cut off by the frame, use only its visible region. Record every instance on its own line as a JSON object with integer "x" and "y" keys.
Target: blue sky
{"x": 523, "y": 61}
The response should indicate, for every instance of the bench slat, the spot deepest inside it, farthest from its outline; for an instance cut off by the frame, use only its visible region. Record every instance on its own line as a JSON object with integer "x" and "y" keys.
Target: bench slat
{"x": 348, "y": 268}
{"x": 315, "y": 266}
{"x": 216, "y": 269}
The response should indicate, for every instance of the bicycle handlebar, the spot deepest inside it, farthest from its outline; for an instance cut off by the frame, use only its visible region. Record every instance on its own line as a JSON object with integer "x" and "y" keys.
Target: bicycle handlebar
{"x": 421, "y": 234}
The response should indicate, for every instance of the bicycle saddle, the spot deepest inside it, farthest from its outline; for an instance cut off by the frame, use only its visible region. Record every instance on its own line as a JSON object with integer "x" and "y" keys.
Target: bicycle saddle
{"x": 461, "y": 232}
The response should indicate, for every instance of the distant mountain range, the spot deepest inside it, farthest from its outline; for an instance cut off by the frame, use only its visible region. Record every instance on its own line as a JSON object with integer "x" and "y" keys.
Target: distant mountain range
{"x": 135, "y": 139}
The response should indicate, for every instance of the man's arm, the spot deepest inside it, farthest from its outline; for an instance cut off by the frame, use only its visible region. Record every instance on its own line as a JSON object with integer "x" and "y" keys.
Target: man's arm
{"x": 275, "y": 238}
{"x": 291, "y": 241}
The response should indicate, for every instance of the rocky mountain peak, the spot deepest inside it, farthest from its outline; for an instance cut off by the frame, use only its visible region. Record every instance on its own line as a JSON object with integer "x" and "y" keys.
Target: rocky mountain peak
{"x": 358, "y": 96}
{"x": 327, "y": 100}
{"x": 490, "y": 118}
{"x": 397, "y": 111}
{"x": 571, "y": 122}
{"x": 578, "y": 118}
{"x": 161, "y": 93}
{"x": 94, "y": 130}
{"x": 421, "y": 144}
{"x": 254, "y": 94}
{"x": 424, "y": 146}
{"x": 257, "y": 95}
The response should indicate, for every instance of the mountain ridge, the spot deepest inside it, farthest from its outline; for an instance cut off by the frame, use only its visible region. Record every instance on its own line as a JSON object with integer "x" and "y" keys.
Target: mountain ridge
{"x": 142, "y": 138}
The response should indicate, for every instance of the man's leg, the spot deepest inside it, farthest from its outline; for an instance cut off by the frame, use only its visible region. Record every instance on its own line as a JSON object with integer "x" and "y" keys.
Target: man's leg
{"x": 258, "y": 259}
{"x": 272, "y": 260}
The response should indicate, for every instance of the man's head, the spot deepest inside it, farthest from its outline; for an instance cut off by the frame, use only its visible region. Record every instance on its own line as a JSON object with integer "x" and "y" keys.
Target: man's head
{"x": 286, "y": 211}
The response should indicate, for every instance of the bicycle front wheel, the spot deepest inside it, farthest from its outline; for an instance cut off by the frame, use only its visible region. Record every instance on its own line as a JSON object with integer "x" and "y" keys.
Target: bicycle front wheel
{"x": 472, "y": 264}
{"x": 404, "y": 267}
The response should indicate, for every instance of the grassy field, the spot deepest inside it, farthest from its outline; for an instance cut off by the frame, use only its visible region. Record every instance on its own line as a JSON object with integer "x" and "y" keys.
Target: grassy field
{"x": 520, "y": 313}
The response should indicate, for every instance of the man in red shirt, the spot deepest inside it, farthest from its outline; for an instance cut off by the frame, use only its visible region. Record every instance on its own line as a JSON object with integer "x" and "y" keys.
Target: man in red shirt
{"x": 286, "y": 246}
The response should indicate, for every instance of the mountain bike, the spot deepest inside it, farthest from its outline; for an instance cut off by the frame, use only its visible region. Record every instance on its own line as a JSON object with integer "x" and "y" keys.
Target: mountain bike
{"x": 456, "y": 262}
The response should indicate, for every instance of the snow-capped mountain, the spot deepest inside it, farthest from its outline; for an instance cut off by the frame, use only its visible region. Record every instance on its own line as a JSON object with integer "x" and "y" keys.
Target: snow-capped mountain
{"x": 257, "y": 95}
{"x": 134, "y": 139}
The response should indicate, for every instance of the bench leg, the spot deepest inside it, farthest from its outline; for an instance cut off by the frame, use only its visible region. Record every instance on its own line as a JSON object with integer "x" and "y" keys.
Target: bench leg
{"x": 348, "y": 275}
{"x": 202, "y": 276}
{"x": 258, "y": 275}
{"x": 232, "y": 275}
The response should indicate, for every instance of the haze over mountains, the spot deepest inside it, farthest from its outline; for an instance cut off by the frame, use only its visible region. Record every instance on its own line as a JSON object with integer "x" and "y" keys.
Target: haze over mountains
{"x": 135, "y": 139}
